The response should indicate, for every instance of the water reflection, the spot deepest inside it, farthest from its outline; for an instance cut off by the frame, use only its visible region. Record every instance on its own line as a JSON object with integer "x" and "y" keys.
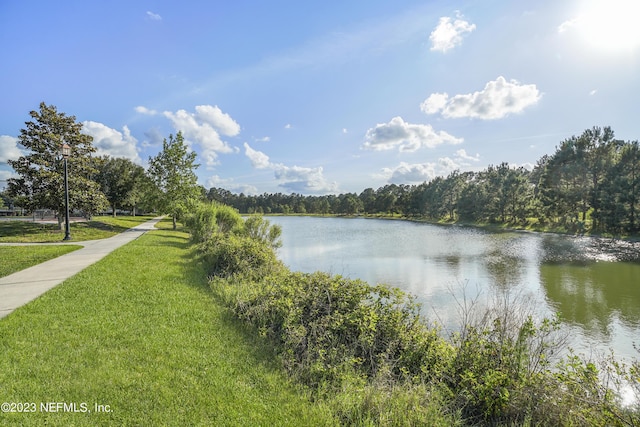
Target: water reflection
{"x": 599, "y": 300}
{"x": 590, "y": 294}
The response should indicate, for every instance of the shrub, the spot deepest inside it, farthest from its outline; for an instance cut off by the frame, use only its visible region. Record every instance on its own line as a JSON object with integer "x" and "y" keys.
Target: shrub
{"x": 237, "y": 255}
{"x": 330, "y": 327}
{"x": 209, "y": 219}
{"x": 256, "y": 227}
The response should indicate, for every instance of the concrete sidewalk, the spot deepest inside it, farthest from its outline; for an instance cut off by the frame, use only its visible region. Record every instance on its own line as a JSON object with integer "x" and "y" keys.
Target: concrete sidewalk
{"x": 23, "y": 286}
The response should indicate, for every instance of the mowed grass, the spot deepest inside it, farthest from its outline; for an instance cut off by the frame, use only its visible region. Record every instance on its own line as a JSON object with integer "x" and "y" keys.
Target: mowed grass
{"x": 140, "y": 331}
{"x": 16, "y": 258}
{"x": 101, "y": 227}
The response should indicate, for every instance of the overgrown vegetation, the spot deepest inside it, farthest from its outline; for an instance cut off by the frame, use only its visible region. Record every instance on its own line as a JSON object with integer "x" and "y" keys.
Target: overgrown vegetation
{"x": 367, "y": 352}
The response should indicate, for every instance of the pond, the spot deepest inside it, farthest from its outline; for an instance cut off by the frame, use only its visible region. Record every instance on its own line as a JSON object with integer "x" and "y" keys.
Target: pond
{"x": 594, "y": 284}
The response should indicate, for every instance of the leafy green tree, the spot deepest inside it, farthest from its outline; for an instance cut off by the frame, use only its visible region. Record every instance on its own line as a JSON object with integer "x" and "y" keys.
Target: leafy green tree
{"x": 172, "y": 172}
{"x": 368, "y": 197}
{"x": 474, "y": 198}
{"x": 41, "y": 172}
{"x": 570, "y": 183}
{"x": 350, "y": 204}
{"x": 620, "y": 198}
{"x": 120, "y": 179}
{"x": 3, "y": 204}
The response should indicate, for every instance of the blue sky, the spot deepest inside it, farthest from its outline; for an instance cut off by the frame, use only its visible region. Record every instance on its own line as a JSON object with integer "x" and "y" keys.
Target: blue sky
{"x": 324, "y": 97}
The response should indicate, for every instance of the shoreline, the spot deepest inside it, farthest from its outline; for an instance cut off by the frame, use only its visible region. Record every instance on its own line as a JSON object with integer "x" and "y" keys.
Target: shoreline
{"x": 496, "y": 227}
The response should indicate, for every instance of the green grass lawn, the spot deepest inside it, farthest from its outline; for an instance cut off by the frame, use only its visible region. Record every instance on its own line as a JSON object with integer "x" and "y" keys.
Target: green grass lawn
{"x": 140, "y": 331}
{"x": 100, "y": 227}
{"x": 16, "y": 258}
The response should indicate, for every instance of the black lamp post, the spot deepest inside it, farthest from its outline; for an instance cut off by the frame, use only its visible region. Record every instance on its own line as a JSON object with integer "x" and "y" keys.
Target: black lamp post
{"x": 66, "y": 152}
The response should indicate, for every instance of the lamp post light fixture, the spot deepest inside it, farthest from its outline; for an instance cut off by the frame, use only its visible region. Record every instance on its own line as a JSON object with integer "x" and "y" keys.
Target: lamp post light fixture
{"x": 66, "y": 152}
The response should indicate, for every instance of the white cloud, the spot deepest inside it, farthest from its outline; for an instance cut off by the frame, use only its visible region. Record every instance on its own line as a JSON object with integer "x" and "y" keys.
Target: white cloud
{"x": 435, "y": 103}
{"x": 416, "y": 173}
{"x": 304, "y": 180}
{"x": 462, "y": 154}
{"x": 144, "y": 110}
{"x": 9, "y": 148}
{"x": 153, "y": 16}
{"x": 112, "y": 142}
{"x": 294, "y": 178}
{"x": 405, "y": 136}
{"x": 498, "y": 99}
{"x": 288, "y": 126}
{"x": 593, "y": 92}
{"x": 219, "y": 120}
{"x": 263, "y": 139}
{"x": 4, "y": 176}
{"x": 216, "y": 181}
{"x": 203, "y": 128}
{"x": 406, "y": 173}
{"x": 448, "y": 34}
{"x": 259, "y": 160}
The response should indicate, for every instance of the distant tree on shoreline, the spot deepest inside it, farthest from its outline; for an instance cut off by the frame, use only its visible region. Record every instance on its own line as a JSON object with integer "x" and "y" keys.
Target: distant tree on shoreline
{"x": 591, "y": 182}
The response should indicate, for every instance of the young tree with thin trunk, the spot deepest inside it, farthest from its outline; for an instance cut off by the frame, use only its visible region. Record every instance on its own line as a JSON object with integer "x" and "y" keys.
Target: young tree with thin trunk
{"x": 172, "y": 172}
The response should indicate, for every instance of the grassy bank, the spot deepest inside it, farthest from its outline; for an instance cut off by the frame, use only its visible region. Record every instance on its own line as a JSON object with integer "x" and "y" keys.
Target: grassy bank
{"x": 140, "y": 334}
{"x": 101, "y": 227}
{"x": 16, "y": 258}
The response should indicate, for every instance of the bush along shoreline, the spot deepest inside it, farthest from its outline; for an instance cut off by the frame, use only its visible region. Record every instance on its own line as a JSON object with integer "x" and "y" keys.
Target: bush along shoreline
{"x": 366, "y": 351}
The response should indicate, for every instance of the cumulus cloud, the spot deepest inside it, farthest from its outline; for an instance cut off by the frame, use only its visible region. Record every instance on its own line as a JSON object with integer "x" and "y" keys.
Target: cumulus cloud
{"x": 293, "y": 178}
{"x": 498, "y": 99}
{"x": 304, "y": 180}
{"x": 449, "y": 33}
{"x": 259, "y": 160}
{"x": 416, "y": 173}
{"x": 9, "y": 148}
{"x": 203, "y": 127}
{"x": 112, "y": 142}
{"x": 216, "y": 181}
{"x": 406, "y": 173}
{"x": 214, "y": 116}
{"x": 144, "y": 110}
{"x": 405, "y": 136}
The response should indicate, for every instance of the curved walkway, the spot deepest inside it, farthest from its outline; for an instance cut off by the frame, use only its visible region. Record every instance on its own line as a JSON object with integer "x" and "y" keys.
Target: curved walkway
{"x": 26, "y": 285}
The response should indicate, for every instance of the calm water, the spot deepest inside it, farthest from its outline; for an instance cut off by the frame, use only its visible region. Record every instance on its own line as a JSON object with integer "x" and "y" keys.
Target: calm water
{"x": 593, "y": 283}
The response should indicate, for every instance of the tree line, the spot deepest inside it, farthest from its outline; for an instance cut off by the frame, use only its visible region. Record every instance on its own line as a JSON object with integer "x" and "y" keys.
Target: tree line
{"x": 590, "y": 184}
{"x": 96, "y": 183}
